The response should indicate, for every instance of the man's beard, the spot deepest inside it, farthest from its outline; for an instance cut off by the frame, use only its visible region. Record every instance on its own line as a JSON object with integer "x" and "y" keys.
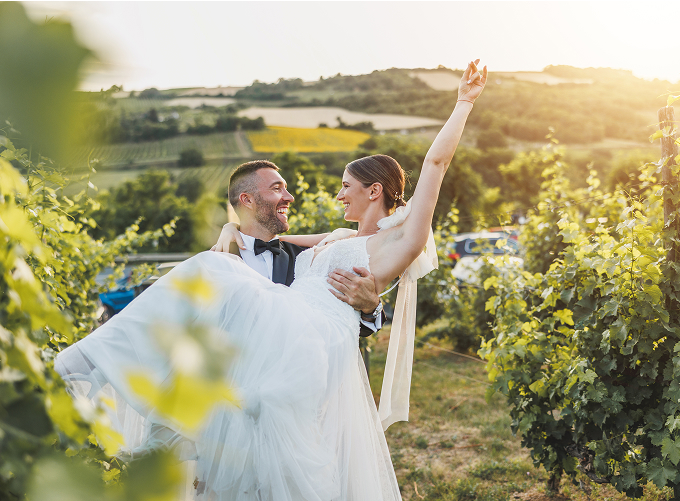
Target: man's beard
{"x": 267, "y": 216}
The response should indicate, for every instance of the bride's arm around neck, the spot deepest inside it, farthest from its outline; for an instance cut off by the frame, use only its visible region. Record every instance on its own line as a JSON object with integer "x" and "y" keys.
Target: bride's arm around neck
{"x": 392, "y": 250}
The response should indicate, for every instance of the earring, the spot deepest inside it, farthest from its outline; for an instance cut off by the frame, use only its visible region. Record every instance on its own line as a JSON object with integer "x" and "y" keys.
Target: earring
{"x": 370, "y": 198}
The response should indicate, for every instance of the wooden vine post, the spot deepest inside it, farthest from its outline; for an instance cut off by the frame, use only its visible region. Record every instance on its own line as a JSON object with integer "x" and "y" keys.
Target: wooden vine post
{"x": 669, "y": 150}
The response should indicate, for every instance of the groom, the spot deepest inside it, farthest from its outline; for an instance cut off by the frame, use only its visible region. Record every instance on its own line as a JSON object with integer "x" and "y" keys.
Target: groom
{"x": 258, "y": 194}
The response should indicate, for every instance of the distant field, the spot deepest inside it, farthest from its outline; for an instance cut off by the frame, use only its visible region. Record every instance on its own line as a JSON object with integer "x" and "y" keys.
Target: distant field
{"x": 223, "y": 144}
{"x": 312, "y": 117}
{"x": 195, "y": 102}
{"x": 135, "y": 105}
{"x": 280, "y": 139}
{"x": 438, "y": 80}
{"x": 215, "y": 177}
{"x": 445, "y": 80}
{"x": 540, "y": 77}
{"x": 210, "y": 91}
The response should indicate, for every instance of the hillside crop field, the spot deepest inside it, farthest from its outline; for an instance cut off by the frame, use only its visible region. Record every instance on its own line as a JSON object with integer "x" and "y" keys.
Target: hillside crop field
{"x": 281, "y": 139}
{"x": 219, "y": 145}
{"x": 313, "y": 116}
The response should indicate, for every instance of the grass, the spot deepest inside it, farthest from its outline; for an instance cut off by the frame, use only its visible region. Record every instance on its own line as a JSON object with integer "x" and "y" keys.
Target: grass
{"x": 458, "y": 446}
{"x": 280, "y": 139}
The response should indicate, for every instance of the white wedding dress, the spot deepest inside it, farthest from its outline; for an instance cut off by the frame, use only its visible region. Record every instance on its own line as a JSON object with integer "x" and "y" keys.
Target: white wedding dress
{"x": 308, "y": 428}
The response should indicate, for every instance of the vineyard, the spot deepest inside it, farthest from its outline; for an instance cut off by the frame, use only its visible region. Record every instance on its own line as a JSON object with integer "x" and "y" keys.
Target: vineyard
{"x": 215, "y": 177}
{"x": 280, "y": 139}
{"x": 220, "y": 145}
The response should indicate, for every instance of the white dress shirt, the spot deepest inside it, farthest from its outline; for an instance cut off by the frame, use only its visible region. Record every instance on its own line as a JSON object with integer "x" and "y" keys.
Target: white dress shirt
{"x": 263, "y": 263}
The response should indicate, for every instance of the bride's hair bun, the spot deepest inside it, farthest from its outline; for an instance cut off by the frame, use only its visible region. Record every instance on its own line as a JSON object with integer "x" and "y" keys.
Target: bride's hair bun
{"x": 381, "y": 169}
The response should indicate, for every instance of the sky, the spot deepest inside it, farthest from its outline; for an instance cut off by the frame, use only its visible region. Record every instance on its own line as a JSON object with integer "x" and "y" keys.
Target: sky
{"x": 206, "y": 44}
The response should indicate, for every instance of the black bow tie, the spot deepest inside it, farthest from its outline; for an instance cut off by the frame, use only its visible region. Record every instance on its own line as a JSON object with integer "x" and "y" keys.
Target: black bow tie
{"x": 272, "y": 246}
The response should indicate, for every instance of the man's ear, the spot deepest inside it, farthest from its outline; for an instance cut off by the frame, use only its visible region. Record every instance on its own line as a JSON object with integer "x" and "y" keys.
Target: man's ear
{"x": 246, "y": 200}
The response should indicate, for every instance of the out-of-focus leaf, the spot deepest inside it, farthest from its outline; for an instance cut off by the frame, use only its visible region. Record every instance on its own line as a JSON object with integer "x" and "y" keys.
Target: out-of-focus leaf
{"x": 57, "y": 478}
{"x": 23, "y": 355}
{"x": 185, "y": 399}
{"x": 63, "y": 413}
{"x": 196, "y": 288}
{"x": 163, "y": 469}
{"x": 10, "y": 179}
{"x": 40, "y": 64}
{"x": 109, "y": 439}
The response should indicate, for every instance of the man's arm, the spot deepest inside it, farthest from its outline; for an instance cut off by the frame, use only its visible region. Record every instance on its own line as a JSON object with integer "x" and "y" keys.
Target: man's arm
{"x": 359, "y": 292}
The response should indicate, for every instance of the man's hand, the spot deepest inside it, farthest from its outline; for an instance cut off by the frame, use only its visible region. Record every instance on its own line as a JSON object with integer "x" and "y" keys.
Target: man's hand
{"x": 356, "y": 290}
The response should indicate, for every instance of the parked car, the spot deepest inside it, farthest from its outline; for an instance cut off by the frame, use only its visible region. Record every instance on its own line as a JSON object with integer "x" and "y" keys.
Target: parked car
{"x": 466, "y": 250}
{"x": 114, "y": 300}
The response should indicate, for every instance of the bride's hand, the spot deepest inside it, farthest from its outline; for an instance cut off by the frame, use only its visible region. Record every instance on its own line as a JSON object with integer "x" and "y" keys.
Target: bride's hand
{"x": 472, "y": 83}
{"x": 228, "y": 235}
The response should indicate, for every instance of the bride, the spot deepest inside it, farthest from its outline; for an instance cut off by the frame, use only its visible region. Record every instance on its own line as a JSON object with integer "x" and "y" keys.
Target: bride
{"x": 307, "y": 427}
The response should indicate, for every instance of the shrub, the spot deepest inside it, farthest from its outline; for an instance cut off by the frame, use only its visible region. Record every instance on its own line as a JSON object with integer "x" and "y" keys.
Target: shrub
{"x": 191, "y": 157}
{"x": 491, "y": 138}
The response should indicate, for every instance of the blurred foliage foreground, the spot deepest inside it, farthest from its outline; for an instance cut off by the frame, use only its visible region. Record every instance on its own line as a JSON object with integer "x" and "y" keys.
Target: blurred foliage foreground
{"x": 52, "y": 446}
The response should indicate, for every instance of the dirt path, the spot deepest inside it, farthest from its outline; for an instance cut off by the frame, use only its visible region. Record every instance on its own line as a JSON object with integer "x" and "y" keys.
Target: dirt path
{"x": 242, "y": 143}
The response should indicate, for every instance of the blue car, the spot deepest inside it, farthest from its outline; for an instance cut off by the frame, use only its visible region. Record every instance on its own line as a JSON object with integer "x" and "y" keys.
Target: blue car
{"x": 114, "y": 300}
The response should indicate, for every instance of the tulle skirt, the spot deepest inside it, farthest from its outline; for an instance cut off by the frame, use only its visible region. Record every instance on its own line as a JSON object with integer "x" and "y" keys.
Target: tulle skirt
{"x": 307, "y": 427}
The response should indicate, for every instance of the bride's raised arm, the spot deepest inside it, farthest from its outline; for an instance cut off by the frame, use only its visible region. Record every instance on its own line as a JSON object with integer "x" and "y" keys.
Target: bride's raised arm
{"x": 400, "y": 245}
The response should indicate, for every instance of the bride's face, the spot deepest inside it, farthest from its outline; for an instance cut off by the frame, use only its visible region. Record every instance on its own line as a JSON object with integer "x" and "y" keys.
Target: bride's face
{"x": 354, "y": 197}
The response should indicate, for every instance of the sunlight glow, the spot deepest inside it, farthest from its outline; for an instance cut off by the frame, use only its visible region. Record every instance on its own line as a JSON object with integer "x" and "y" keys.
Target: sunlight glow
{"x": 182, "y": 44}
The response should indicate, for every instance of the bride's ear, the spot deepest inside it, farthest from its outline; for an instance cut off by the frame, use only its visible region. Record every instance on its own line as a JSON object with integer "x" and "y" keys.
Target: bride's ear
{"x": 375, "y": 190}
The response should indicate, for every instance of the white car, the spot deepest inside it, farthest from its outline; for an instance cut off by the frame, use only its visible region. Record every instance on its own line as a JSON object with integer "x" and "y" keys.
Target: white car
{"x": 467, "y": 250}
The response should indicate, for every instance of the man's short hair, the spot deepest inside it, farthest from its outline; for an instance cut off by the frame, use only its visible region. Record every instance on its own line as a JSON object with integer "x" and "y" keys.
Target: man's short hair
{"x": 242, "y": 179}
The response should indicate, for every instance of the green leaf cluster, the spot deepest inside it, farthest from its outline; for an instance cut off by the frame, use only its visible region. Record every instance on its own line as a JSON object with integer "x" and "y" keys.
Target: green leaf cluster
{"x": 586, "y": 341}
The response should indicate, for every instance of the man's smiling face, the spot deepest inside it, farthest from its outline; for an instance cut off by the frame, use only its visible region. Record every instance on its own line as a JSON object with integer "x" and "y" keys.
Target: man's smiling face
{"x": 272, "y": 201}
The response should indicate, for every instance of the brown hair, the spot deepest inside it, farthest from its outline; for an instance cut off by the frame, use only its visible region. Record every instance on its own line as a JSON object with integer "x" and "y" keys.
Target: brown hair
{"x": 381, "y": 169}
{"x": 243, "y": 181}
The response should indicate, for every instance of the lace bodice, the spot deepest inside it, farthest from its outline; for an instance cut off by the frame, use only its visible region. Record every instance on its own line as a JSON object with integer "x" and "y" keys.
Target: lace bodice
{"x": 313, "y": 266}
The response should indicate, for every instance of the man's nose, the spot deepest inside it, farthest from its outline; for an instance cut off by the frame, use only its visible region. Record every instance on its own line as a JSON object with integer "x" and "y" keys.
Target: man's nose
{"x": 288, "y": 196}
